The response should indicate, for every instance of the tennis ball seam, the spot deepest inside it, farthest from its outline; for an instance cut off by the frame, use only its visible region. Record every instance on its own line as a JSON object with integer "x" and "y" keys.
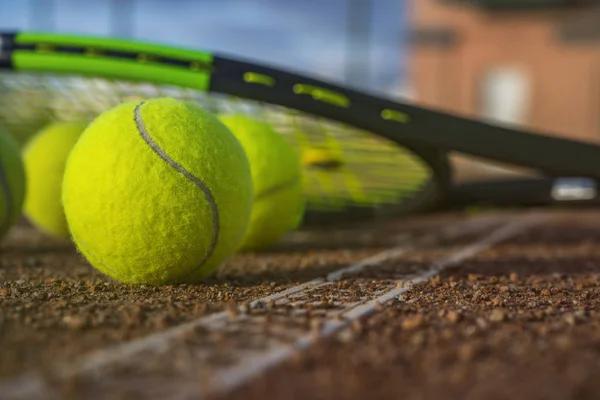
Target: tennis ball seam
{"x": 277, "y": 188}
{"x": 146, "y": 137}
{"x": 8, "y": 197}
{"x": 145, "y": 134}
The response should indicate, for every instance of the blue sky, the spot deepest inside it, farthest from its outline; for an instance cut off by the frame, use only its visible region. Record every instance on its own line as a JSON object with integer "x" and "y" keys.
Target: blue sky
{"x": 304, "y": 35}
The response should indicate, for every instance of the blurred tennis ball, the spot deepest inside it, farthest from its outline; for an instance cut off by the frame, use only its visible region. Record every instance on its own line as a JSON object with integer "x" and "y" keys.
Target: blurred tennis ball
{"x": 321, "y": 158}
{"x": 12, "y": 182}
{"x": 279, "y": 203}
{"x": 45, "y": 156}
{"x": 157, "y": 192}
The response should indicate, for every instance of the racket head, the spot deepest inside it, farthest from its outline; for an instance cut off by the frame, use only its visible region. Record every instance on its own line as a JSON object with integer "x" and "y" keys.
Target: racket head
{"x": 350, "y": 173}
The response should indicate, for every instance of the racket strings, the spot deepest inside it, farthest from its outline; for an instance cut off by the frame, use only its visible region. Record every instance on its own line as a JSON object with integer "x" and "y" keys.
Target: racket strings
{"x": 344, "y": 167}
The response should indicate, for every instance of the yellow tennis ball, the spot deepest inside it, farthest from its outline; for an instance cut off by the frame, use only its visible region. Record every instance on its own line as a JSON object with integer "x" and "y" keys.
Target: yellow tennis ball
{"x": 157, "y": 192}
{"x": 45, "y": 156}
{"x": 278, "y": 204}
{"x": 12, "y": 182}
{"x": 321, "y": 158}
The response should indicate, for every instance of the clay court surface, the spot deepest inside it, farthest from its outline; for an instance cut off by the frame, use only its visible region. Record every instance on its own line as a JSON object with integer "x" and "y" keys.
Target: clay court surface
{"x": 492, "y": 305}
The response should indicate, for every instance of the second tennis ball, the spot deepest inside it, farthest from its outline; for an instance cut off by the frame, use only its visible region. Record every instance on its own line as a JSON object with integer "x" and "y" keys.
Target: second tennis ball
{"x": 321, "y": 159}
{"x": 157, "y": 192}
{"x": 45, "y": 156}
{"x": 278, "y": 205}
{"x": 12, "y": 182}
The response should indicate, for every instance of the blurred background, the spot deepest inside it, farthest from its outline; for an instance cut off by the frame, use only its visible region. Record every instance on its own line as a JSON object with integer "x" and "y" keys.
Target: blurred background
{"x": 530, "y": 63}
{"x": 357, "y": 41}
{"x": 523, "y": 63}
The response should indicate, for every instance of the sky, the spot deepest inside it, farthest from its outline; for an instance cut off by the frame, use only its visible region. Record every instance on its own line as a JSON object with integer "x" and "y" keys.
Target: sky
{"x": 307, "y": 36}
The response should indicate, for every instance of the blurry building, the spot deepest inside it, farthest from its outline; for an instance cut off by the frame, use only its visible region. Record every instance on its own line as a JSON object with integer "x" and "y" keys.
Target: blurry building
{"x": 531, "y": 62}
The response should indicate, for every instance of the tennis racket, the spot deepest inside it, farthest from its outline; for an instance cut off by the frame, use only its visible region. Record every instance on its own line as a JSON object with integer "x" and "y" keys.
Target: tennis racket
{"x": 364, "y": 155}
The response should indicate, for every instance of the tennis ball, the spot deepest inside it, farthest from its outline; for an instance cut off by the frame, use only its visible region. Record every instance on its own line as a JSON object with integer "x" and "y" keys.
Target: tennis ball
{"x": 45, "y": 156}
{"x": 321, "y": 158}
{"x": 12, "y": 182}
{"x": 278, "y": 204}
{"x": 157, "y": 192}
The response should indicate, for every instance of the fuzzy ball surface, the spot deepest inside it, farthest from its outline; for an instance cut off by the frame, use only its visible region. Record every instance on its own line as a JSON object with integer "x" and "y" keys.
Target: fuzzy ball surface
{"x": 45, "y": 156}
{"x": 157, "y": 192}
{"x": 279, "y": 203}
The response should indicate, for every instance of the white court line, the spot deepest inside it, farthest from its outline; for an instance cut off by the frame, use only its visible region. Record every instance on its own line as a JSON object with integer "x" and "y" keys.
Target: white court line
{"x": 252, "y": 367}
{"x": 32, "y": 384}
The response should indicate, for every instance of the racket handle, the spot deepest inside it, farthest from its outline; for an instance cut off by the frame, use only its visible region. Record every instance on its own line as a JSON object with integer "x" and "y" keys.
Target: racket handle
{"x": 540, "y": 191}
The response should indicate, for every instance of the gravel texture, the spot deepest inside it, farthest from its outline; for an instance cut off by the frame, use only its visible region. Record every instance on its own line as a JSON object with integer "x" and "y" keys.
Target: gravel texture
{"x": 519, "y": 320}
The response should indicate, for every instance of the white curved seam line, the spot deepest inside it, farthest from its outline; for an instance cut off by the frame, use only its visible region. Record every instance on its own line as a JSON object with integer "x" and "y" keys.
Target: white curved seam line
{"x": 141, "y": 127}
{"x": 277, "y": 188}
